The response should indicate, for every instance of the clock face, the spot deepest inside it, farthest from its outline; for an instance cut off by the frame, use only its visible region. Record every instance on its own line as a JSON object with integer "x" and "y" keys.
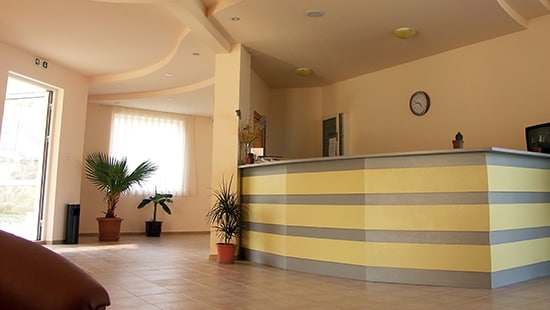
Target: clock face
{"x": 419, "y": 103}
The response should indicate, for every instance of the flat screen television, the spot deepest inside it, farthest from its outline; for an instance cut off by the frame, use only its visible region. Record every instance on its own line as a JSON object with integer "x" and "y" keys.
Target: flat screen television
{"x": 538, "y": 136}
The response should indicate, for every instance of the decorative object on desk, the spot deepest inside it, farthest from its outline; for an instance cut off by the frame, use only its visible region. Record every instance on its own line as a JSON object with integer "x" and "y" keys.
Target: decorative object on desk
{"x": 538, "y": 138}
{"x": 458, "y": 142}
{"x": 247, "y": 136}
{"x": 226, "y": 217}
{"x": 419, "y": 103}
{"x": 153, "y": 228}
{"x": 250, "y": 158}
{"x": 111, "y": 176}
{"x": 535, "y": 147}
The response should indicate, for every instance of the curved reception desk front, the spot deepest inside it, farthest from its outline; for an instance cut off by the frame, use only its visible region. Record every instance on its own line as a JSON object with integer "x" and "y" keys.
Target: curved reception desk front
{"x": 466, "y": 218}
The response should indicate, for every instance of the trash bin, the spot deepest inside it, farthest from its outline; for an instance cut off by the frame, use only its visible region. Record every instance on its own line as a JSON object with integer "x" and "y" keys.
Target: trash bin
{"x": 71, "y": 226}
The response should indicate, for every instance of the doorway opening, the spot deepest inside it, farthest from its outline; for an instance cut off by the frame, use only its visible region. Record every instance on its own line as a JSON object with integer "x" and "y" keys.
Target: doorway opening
{"x": 24, "y": 141}
{"x": 333, "y": 142}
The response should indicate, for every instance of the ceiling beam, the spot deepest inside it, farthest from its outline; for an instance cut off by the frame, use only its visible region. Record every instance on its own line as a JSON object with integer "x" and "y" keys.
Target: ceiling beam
{"x": 193, "y": 14}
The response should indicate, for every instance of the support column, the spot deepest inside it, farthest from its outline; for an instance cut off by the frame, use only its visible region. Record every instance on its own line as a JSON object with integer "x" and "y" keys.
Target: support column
{"x": 231, "y": 92}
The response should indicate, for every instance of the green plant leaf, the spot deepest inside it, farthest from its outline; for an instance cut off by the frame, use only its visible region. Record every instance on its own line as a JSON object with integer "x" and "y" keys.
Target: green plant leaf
{"x": 225, "y": 215}
{"x": 112, "y": 176}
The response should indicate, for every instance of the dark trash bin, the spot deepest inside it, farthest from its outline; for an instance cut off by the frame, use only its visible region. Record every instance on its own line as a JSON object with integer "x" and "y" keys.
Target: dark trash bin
{"x": 71, "y": 226}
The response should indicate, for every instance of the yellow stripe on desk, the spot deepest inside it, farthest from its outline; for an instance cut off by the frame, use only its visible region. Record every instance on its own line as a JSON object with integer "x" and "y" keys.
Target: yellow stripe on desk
{"x": 333, "y": 182}
{"x": 401, "y": 180}
{"x": 415, "y": 217}
{"x": 264, "y": 242}
{"x": 333, "y": 216}
{"x": 267, "y": 213}
{"x": 328, "y": 182}
{"x": 264, "y": 185}
{"x": 328, "y": 250}
{"x": 428, "y": 217}
{"x": 426, "y": 179}
{"x": 474, "y": 258}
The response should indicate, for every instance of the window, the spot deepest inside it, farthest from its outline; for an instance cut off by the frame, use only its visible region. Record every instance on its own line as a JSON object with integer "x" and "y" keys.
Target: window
{"x": 141, "y": 135}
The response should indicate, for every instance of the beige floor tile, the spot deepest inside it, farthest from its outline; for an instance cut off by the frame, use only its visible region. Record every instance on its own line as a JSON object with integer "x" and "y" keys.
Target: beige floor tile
{"x": 174, "y": 272}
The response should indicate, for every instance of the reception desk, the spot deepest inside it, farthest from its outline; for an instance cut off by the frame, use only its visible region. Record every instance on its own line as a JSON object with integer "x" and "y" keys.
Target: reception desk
{"x": 467, "y": 218}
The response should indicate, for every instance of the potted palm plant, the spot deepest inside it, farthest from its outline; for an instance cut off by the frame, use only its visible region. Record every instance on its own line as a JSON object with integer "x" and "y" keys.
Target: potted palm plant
{"x": 226, "y": 217}
{"x": 153, "y": 228}
{"x": 111, "y": 176}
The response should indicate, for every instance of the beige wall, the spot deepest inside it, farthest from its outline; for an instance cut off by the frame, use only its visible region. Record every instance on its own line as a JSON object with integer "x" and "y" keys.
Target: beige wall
{"x": 259, "y": 94}
{"x": 188, "y": 213}
{"x": 259, "y": 101}
{"x": 295, "y": 123}
{"x": 489, "y": 91}
{"x": 67, "y": 136}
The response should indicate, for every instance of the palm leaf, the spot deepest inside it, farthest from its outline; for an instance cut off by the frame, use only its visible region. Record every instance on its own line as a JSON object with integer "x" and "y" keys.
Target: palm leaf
{"x": 112, "y": 176}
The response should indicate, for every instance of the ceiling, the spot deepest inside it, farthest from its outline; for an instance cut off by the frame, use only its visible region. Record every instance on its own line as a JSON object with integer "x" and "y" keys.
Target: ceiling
{"x": 160, "y": 54}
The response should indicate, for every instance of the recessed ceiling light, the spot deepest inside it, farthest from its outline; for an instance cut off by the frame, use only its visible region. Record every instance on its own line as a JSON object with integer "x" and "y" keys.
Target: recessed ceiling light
{"x": 302, "y": 71}
{"x": 235, "y": 18}
{"x": 315, "y": 13}
{"x": 168, "y": 74}
{"x": 404, "y": 33}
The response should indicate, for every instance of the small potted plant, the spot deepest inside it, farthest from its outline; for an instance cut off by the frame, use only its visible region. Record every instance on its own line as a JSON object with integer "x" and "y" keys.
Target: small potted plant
{"x": 226, "y": 217}
{"x": 153, "y": 228}
{"x": 458, "y": 142}
{"x": 111, "y": 176}
{"x": 535, "y": 147}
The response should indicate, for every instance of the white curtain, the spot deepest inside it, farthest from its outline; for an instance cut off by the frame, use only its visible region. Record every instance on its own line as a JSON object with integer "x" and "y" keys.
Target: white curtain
{"x": 163, "y": 138}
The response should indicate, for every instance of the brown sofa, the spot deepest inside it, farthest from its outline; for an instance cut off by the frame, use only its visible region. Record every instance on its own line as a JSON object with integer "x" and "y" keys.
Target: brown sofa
{"x": 32, "y": 277}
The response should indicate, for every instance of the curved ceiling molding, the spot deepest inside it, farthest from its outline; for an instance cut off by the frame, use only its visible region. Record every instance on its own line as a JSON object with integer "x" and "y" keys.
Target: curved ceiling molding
{"x": 220, "y": 6}
{"x": 154, "y": 93}
{"x": 142, "y": 71}
{"x": 512, "y": 13}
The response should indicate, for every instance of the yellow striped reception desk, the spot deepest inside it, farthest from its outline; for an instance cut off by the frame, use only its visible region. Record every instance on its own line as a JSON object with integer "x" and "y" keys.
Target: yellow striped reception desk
{"x": 466, "y": 218}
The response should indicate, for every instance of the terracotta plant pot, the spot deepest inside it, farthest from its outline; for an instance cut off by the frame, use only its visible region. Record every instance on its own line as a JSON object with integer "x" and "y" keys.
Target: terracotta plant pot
{"x": 249, "y": 158}
{"x": 458, "y": 144}
{"x": 109, "y": 228}
{"x": 226, "y": 253}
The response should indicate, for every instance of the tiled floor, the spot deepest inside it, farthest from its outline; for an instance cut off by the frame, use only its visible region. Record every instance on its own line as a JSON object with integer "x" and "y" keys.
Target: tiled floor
{"x": 173, "y": 272}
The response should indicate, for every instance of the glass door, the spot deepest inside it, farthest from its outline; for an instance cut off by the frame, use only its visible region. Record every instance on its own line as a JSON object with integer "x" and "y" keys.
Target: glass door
{"x": 23, "y": 150}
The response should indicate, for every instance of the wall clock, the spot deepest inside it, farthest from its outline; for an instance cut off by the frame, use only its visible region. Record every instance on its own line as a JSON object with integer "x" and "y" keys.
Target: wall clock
{"x": 419, "y": 103}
